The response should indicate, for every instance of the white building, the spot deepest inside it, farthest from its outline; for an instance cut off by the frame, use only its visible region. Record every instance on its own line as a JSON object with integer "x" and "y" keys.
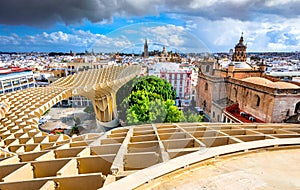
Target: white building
{"x": 13, "y": 79}
{"x": 180, "y": 79}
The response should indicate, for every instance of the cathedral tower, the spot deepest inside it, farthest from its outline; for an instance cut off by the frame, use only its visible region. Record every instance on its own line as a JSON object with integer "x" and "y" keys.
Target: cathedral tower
{"x": 239, "y": 54}
{"x": 146, "y": 52}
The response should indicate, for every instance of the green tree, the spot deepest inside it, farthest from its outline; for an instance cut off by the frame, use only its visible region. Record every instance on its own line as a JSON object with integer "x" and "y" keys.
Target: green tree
{"x": 139, "y": 111}
{"x": 155, "y": 85}
{"x": 191, "y": 116}
{"x": 151, "y": 100}
{"x": 137, "y": 97}
{"x": 173, "y": 114}
{"x": 156, "y": 111}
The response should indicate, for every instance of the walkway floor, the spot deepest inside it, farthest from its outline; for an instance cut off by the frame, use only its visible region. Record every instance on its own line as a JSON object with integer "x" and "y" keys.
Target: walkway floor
{"x": 263, "y": 170}
{"x": 60, "y": 115}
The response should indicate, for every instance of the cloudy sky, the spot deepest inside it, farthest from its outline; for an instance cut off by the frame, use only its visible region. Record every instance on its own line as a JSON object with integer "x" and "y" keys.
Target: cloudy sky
{"x": 122, "y": 25}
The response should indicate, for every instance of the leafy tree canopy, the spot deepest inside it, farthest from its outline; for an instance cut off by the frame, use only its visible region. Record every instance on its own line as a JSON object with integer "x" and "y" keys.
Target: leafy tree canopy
{"x": 190, "y": 116}
{"x": 151, "y": 100}
{"x": 155, "y": 85}
{"x": 156, "y": 111}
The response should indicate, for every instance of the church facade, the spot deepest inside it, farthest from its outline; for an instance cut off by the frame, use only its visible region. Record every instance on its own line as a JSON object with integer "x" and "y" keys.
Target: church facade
{"x": 241, "y": 92}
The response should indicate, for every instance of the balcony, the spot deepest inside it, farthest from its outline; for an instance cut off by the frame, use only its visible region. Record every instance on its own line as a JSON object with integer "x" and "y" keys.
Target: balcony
{"x": 239, "y": 116}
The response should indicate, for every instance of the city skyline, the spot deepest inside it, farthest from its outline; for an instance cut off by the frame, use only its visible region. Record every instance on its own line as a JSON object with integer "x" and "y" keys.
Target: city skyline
{"x": 188, "y": 26}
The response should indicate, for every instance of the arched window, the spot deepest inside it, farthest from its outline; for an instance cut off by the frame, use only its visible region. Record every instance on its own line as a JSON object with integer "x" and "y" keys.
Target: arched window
{"x": 207, "y": 68}
{"x": 257, "y": 100}
{"x": 297, "y": 108}
{"x": 234, "y": 93}
{"x": 214, "y": 114}
{"x": 206, "y": 86}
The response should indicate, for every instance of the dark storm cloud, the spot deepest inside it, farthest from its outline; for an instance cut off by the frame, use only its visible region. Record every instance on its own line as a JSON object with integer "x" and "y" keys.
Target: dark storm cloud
{"x": 45, "y": 12}
{"x": 42, "y": 12}
{"x": 236, "y": 9}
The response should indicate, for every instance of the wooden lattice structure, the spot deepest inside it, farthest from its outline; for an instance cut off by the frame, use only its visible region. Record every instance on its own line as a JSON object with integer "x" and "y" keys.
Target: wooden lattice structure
{"x": 119, "y": 159}
{"x": 99, "y": 85}
{"x": 123, "y": 158}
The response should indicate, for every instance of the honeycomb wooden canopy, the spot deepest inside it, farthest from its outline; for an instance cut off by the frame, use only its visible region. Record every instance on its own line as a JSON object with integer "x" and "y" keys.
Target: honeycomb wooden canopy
{"x": 121, "y": 158}
{"x": 99, "y": 85}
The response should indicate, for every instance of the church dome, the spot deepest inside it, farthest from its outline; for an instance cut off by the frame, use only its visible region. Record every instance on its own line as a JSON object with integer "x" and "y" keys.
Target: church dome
{"x": 241, "y": 42}
{"x": 268, "y": 83}
{"x": 285, "y": 85}
{"x": 259, "y": 81}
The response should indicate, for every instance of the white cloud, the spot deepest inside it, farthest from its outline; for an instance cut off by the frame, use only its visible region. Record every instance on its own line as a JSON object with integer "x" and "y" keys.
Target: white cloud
{"x": 78, "y": 39}
{"x": 275, "y": 3}
{"x": 218, "y": 23}
{"x": 9, "y": 40}
{"x": 277, "y": 34}
{"x": 169, "y": 35}
{"x": 268, "y": 34}
{"x": 190, "y": 25}
{"x": 110, "y": 44}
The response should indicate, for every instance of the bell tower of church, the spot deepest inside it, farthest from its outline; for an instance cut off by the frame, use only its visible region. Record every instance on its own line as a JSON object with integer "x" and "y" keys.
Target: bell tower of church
{"x": 146, "y": 52}
{"x": 239, "y": 54}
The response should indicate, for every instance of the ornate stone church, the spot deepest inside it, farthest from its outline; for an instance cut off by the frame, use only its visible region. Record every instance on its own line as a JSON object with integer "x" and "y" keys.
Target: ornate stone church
{"x": 240, "y": 92}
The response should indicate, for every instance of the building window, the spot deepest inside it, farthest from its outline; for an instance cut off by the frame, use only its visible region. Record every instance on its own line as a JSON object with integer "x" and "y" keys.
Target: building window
{"x": 218, "y": 118}
{"x": 297, "y": 108}
{"x": 207, "y": 68}
{"x": 257, "y": 100}
{"x": 214, "y": 114}
{"x": 206, "y": 86}
{"x": 235, "y": 93}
